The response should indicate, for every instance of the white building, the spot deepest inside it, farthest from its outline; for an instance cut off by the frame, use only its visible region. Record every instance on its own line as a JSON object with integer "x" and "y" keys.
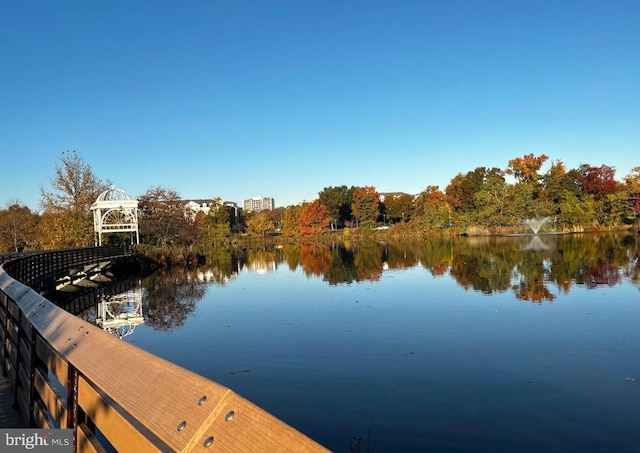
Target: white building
{"x": 196, "y": 206}
{"x": 257, "y": 204}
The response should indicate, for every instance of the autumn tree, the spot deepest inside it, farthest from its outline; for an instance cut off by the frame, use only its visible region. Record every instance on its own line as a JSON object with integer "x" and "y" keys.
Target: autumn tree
{"x": 75, "y": 186}
{"x": 259, "y": 224}
{"x": 291, "y": 221}
{"x": 457, "y": 194}
{"x": 397, "y": 208}
{"x": 365, "y": 205}
{"x": 276, "y": 216}
{"x": 632, "y": 182}
{"x": 51, "y": 231}
{"x": 598, "y": 181}
{"x": 17, "y": 228}
{"x": 434, "y": 209}
{"x": 526, "y": 168}
{"x": 462, "y": 189}
{"x": 314, "y": 218}
{"x": 66, "y": 219}
{"x": 162, "y": 216}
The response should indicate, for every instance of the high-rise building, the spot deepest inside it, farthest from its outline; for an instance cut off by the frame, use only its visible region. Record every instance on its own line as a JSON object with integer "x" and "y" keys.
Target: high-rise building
{"x": 257, "y": 204}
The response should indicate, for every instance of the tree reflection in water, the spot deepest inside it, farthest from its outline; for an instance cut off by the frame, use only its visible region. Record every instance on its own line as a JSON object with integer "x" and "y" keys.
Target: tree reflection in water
{"x": 169, "y": 297}
{"x": 485, "y": 264}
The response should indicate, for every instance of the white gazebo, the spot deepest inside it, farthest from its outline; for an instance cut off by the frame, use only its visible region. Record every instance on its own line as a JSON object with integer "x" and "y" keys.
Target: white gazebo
{"x": 115, "y": 212}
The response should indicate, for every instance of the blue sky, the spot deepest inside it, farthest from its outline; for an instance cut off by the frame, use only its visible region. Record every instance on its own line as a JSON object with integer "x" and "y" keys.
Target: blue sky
{"x": 236, "y": 99}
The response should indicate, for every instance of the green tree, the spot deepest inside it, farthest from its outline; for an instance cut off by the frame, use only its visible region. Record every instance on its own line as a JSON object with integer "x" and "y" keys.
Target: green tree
{"x": 611, "y": 209}
{"x": 492, "y": 203}
{"x": 217, "y": 222}
{"x": 557, "y": 182}
{"x": 437, "y": 217}
{"x": 338, "y": 202}
{"x": 575, "y": 214}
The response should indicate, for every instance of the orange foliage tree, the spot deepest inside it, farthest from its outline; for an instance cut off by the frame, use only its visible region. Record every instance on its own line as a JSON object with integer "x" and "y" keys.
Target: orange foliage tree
{"x": 314, "y": 219}
{"x": 526, "y": 168}
{"x": 366, "y": 202}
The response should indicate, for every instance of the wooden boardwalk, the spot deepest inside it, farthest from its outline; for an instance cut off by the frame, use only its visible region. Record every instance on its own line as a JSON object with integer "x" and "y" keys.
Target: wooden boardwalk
{"x": 9, "y": 417}
{"x": 111, "y": 404}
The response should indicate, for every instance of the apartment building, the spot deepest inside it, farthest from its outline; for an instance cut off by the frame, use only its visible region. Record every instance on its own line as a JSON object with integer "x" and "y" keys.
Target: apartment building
{"x": 257, "y": 204}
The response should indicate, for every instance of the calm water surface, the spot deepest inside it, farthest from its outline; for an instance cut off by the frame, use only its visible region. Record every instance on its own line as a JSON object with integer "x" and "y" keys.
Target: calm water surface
{"x": 491, "y": 344}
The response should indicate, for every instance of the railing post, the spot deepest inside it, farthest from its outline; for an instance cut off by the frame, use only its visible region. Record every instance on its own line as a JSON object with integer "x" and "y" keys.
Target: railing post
{"x": 72, "y": 402}
{"x": 5, "y": 314}
{"x": 16, "y": 365}
{"x": 32, "y": 374}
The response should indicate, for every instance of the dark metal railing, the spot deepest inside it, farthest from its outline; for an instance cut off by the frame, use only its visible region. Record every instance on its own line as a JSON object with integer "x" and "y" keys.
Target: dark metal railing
{"x": 36, "y": 269}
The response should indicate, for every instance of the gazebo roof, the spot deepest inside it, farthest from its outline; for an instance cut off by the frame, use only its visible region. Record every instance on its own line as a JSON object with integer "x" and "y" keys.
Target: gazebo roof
{"x": 114, "y": 194}
{"x": 114, "y": 198}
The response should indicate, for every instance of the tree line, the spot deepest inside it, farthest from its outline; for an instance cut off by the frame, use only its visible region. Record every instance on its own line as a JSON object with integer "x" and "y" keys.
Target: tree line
{"x": 481, "y": 201}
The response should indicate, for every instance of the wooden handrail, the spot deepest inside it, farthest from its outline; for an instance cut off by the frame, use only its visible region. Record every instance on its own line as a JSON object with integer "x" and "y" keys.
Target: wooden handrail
{"x": 68, "y": 373}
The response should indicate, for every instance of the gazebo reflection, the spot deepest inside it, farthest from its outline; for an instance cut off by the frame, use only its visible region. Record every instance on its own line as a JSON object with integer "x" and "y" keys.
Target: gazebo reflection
{"x": 120, "y": 314}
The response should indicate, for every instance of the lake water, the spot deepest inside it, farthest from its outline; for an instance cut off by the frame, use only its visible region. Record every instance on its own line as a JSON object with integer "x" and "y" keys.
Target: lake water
{"x": 498, "y": 344}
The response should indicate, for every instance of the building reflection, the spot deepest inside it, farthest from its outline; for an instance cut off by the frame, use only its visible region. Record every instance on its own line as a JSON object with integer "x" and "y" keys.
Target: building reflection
{"x": 261, "y": 267}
